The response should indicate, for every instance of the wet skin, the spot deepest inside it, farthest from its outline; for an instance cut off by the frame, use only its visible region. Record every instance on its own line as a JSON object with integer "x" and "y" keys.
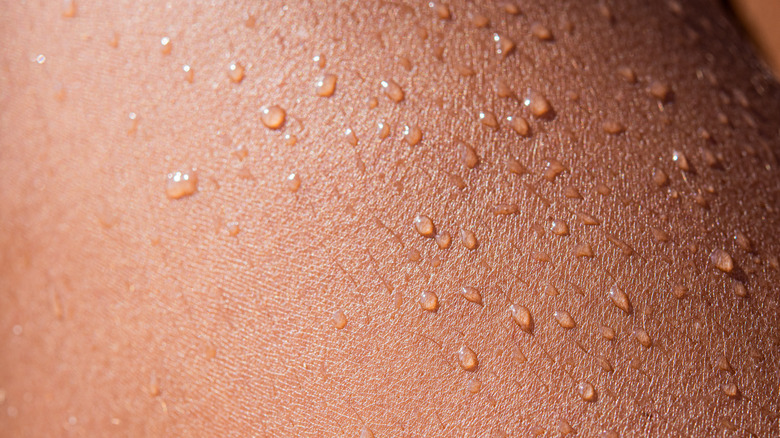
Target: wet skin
{"x": 386, "y": 219}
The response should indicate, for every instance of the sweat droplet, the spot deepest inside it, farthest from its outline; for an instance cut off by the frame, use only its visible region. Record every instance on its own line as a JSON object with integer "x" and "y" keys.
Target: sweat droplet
{"x": 467, "y": 359}
{"x": 523, "y": 318}
{"x": 519, "y": 125}
{"x": 539, "y": 105}
{"x": 444, "y": 240}
{"x": 541, "y": 32}
{"x": 583, "y": 250}
{"x": 273, "y": 116}
{"x": 560, "y": 228}
{"x": 167, "y": 45}
{"x": 469, "y": 239}
{"x": 325, "y": 86}
{"x": 504, "y": 45}
{"x": 488, "y": 119}
{"x": 189, "y": 74}
{"x": 429, "y": 301}
{"x": 424, "y": 226}
{"x": 412, "y": 135}
{"x": 69, "y": 8}
{"x": 471, "y": 294}
{"x": 587, "y": 392}
{"x": 620, "y": 299}
{"x": 236, "y": 72}
{"x": 393, "y": 90}
{"x": 469, "y": 156}
{"x": 643, "y": 338}
{"x": 339, "y": 319}
{"x": 660, "y": 91}
{"x": 181, "y": 184}
{"x": 293, "y": 182}
{"x": 564, "y": 319}
{"x": 722, "y": 260}
{"x": 613, "y": 127}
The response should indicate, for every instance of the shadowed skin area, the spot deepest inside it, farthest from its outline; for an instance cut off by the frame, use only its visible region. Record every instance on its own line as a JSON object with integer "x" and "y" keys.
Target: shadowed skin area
{"x": 607, "y": 174}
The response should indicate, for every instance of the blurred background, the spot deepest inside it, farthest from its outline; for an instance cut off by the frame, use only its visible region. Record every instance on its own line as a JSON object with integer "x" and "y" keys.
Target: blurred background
{"x": 761, "y": 21}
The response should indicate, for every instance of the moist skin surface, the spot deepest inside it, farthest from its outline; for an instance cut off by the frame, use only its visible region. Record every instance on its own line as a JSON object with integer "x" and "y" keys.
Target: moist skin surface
{"x": 388, "y": 219}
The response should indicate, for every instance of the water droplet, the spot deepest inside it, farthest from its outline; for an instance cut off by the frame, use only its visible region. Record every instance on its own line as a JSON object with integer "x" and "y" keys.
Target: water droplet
{"x": 603, "y": 189}
{"x": 444, "y": 240}
{"x": 730, "y": 389}
{"x": 542, "y": 32}
{"x": 414, "y": 255}
{"x": 587, "y": 219}
{"x": 560, "y": 228}
{"x": 114, "y": 41}
{"x": 40, "y": 59}
{"x": 429, "y": 301}
{"x": 539, "y": 105}
{"x": 620, "y": 299}
{"x": 643, "y": 338}
{"x": 743, "y": 241}
{"x": 505, "y": 209}
{"x": 236, "y": 72}
{"x": 550, "y": 290}
{"x": 392, "y": 90}
{"x": 681, "y": 160}
{"x": 424, "y": 226}
{"x": 350, "y": 137}
{"x": 740, "y": 290}
{"x": 468, "y": 155}
{"x": 366, "y": 433}
{"x": 383, "y": 130}
{"x": 469, "y": 239}
{"x": 474, "y": 386}
{"x": 468, "y": 359}
{"x": 660, "y": 91}
{"x": 584, "y": 250}
{"x": 412, "y": 135}
{"x": 609, "y": 434}
{"x": 69, "y": 8}
{"x": 471, "y": 294}
{"x": 339, "y": 319}
{"x": 628, "y": 74}
{"x": 571, "y": 192}
{"x": 373, "y": 102}
{"x": 189, "y": 73}
{"x": 564, "y": 319}
{"x": 607, "y": 332}
{"x": 511, "y": 9}
{"x": 293, "y": 182}
{"x": 613, "y": 127}
{"x": 319, "y": 60}
{"x": 514, "y": 166}
{"x": 232, "y": 228}
{"x": 540, "y": 256}
{"x": 273, "y": 116}
{"x": 519, "y": 125}
{"x": 181, "y": 184}
{"x": 480, "y": 21}
{"x": 722, "y": 260}
{"x": 167, "y": 45}
{"x": 290, "y": 139}
{"x": 442, "y": 10}
{"x": 587, "y": 392}
{"x": 565, "y": 428}
{"x": 325, "y": 85}
{"x": 523, "y": 318}
{"x": 660, "y": 178}
{"x": 724, "y": 365}
{"x": 488, "y": 119}
{"x": 679, "y": 291}
{"x": 605, "y": 365}
{"x": 554, "y": 168}
{"x": 504, "y": 45}
{"x": 503, "y": 90}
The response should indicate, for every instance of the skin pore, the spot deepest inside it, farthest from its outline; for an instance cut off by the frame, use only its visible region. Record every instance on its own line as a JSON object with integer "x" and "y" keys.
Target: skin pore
{"x": 386, "y": 219}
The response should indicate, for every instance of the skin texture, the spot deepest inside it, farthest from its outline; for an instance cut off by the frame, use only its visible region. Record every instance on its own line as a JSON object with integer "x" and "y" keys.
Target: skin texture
{"x": 124, "y": 312}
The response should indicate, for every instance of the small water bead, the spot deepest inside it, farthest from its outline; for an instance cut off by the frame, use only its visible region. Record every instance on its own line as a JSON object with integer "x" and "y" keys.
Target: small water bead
{"x": 620, "y": 299}
{"x": 273, "y": 116}
{"x": 628, "y": 74}
{"x": 405, "y": 63}
{"x": 540, "y": 256}
{"x": 414, "y": 255}
{"x": 607, "y": 332}
{"x": 588, "y": 219}
{"x": 743, "y": 241}
{"x": 603, "y": 189}
{"x": 167, "y": 45}
{"x": 457, "y": 181}
{"x": 515, "y": 166}
{"x": 366, "y": 433}
{"x": 474, "y": 386}
{"x": 339, "y": 319}
{"x": 504, "y": 45}
{"x": 465, "y": 70}
{"x": 539, "y": 105}
{"x": 114, "y": 41}
{"x": 319, "y": 60}
{"x": 740, "y": 290}
{"x": 392, "y": 90}
{"x": 730, "y": 389}
{"x": 587, "y": 392}
{"x": 350, "y": 137}
{"x": 189, "y": 74}
{"x": 442, "y": 10}
{"x": 235, "y": 72}
{"x": 488, "y": 119}
{"x": 293, "y": 182}
{"x": 643, "y": 338}
{"x": 412, "y": 135}
{"x": 723, "y": 364}
{"x": 468, "y": 155}
{"x": 605, "y": 364}
{"x": 436, "y": 261}
{"x": 519, "y": 125}
{"x": 325, "y": 85}
{"x": 613, "y": 127}
{"x": 469, "y": 239}
{"x": 722, "y": 260}
{"x": 565, "y": 428}
{"x": 429, "y": 301}
{"x": 523, "y": 318}
{"x": 383, "y": 130}
{"x": 233, "y": 228}
{"x": 564, "y": 319}
{"x": 571, "y": 192}
{"x": 609, "y": 434}
{"x": 560, "y": 228}
{"x": 424, "y": 225}
{"x": 660, "y": 178}
{"x": 181, "y": 184}
{"x": 554, "y": 168}
{"x": 660, "y": 91}
{"x": 505, "y": 209}
{"x": 468, "y": 359}
{"x": 551, "y": 291}
{"x": 69, "y": 8}
{"x": 541, "y": 32}
{"x": 290, "y": 139}
{"x": 471, "y": 294}
{"x": 373, "y": 102}
{"x": 679, "y": 291}
{"x": 444, "y": 240}
{"x": 584, "y": 250}
{"x": 681, "y": 160}
{"x": 660, "y": 235}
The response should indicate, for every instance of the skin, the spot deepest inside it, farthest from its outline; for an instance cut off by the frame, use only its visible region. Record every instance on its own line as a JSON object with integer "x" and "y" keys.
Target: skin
{"x": 125, "y": 312}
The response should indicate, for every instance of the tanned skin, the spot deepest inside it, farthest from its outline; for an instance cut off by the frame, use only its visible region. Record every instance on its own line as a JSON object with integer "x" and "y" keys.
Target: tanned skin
{"x": 619, "y": 255}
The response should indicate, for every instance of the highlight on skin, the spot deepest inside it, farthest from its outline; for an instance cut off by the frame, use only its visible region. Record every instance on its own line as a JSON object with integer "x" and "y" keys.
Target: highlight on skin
{"x": 462, "y": 218}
